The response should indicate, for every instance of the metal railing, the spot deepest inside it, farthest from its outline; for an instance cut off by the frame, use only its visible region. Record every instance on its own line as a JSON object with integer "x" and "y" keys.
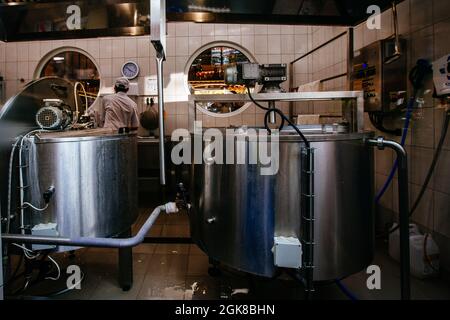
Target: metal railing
{"x": 350, "y": 48}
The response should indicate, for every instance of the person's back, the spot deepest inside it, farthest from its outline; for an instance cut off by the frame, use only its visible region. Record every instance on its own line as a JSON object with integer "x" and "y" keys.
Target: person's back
{"x": 117, "y": 110}
{"x": 120, "y": 111}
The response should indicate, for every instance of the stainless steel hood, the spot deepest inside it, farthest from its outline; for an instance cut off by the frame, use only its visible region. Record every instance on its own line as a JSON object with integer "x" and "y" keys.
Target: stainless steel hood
{"x": 39, "y": 20}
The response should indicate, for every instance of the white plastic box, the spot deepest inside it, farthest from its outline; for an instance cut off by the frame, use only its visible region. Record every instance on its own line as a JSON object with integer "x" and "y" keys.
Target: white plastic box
{"x": 287, "y": 253}
{"x": 421, "y": 266}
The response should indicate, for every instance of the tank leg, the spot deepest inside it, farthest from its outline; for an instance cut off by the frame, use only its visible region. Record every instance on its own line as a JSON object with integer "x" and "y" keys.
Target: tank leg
{"x": 126, "y": 265}
{"x": 214, "y": 270}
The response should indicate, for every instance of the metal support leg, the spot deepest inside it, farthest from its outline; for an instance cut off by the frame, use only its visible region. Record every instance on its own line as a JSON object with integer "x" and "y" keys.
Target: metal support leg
{"x": 1, "y": 269}
{"x": 403, "y": 202}
{"x": 126, "y": 265}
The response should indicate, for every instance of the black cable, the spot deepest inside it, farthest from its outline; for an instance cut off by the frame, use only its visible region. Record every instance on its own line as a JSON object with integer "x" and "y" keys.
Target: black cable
{"x": 49, "y": 295}
{"x": 281, "y": 114}
{"x": 377, "y": 121}
{"x": 432, "y": 167}
{"x": 14, "y": 275}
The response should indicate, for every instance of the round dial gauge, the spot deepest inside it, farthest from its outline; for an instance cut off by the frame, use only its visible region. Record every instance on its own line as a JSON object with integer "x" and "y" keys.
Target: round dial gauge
{"x": 130, "y": 70}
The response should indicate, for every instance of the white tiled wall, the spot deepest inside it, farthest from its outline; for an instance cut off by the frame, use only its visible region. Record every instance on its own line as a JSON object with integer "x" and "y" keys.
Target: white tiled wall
{"x": 426, "y": 26}
{"x": 267, "y": 43}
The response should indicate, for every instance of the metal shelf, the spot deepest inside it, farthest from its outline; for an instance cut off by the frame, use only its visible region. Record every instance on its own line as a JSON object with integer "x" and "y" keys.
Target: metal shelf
{"x": 353, "y": 103}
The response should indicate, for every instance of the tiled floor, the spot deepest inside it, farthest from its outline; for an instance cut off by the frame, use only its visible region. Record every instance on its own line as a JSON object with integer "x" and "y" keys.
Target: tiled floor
{"x": 180, "y": 271}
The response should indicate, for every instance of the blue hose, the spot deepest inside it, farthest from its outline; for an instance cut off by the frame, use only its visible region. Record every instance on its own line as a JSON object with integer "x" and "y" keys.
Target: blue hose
{"x": 403, "y": 142}
{"x": 346, "y": 291}
{"x": 416, "y": 77}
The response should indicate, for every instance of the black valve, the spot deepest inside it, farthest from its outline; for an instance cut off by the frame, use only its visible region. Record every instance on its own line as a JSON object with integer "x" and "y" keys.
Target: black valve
{"x": 182, "y": 197}
{"x": 48, "y": 194}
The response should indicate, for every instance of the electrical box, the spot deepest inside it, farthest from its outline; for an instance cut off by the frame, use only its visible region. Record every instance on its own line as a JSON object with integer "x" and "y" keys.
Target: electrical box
{"x": 384, "y": 84}
{"x": 441, "y": 70}
{"x": 46, "y": 230}
{"x": 287, "y": 252}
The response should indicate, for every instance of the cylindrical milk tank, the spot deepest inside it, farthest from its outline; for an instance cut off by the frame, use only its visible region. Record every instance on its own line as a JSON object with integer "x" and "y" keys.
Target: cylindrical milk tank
{"x": 237, "y": 212}
{"x": 94, "y": 173}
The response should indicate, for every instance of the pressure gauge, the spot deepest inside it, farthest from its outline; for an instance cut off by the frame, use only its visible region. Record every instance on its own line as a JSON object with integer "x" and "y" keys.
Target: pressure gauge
{"x": 130, "y": 70}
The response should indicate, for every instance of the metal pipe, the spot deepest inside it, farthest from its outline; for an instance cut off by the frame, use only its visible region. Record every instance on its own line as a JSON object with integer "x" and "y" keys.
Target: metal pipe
{"x": 319, "y": 47}
{"x": 350, "y": 57}
{"x": 291, "y": 68}
{"x": 395, "y": 17}
{"x": 334, "y": 77}
{"x": 162, "y": 149}
{"x": 291, "y": 86}
{"x": 403, "y": 202}
{"x": 273, "y": 119}
{"x": 397, "y": 49}
{"x": 95, "y": 242}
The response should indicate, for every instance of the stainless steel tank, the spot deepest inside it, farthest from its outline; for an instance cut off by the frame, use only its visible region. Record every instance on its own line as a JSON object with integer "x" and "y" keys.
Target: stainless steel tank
{"x": 94, "y": 173}
{"x": 237, "y": 212}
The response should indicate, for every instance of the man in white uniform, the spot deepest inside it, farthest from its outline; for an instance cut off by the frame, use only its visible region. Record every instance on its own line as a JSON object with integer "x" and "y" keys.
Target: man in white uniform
{"x": 117, "y": 110}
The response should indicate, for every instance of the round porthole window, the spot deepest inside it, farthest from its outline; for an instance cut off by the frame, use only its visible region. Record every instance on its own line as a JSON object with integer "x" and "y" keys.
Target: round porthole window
{"x": 206, "y": 75}
{"x": 75, "y": 66}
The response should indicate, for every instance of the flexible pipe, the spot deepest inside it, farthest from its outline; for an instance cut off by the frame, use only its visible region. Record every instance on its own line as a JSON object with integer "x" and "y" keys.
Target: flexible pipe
{"x": 346, "y": 291}
{"x": 21, "y": 185}
{"x": 85, "y": 96}
{"x": 416, "y": 77}
{"x": 432, "y": 167}
{"x": 96, "y": 242}
{"x": 402, "y": 143}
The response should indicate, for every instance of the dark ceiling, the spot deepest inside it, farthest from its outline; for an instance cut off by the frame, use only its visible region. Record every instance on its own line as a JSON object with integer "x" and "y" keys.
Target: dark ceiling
{"x": 35, "y": 20}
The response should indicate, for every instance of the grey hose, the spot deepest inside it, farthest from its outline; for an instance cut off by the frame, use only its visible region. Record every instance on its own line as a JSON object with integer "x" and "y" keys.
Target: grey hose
{"x": 95, "y": 242}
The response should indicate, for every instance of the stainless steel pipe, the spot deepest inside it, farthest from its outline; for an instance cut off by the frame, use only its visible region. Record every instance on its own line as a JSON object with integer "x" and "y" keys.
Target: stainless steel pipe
{"x": 162, "y": 154}
{"x": 403, "y": 203}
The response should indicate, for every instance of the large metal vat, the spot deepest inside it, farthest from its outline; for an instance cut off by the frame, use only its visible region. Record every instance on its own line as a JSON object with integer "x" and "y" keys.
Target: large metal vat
{"x": 237, "y": 212}
{"x": 94, "y": 173}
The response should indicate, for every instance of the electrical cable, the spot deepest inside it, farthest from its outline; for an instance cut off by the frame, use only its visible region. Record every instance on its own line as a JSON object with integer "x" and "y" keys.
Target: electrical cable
{"x": 57, "y": 267}
{"x": 11, "y": 164}
{"x": 403, "y": 141}
{"x": 281, "y": 114}
{"x": 432, "y": 167}
{"x": 376, "y": 118}
{"x": 27, "y": 204}
{"x": 21, "y": 184}
{"x": 29, "y": 254}
{"x": 416, "y": 77}
{"x": 14, "y": 275}
{"x": 77, "y": 110}
{"x": 58, "y": 293}
{"x": 85, "y": 96}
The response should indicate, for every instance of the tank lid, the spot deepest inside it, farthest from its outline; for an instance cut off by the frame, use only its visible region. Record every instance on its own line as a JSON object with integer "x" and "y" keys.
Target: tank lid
{"x": 77, "y": 135}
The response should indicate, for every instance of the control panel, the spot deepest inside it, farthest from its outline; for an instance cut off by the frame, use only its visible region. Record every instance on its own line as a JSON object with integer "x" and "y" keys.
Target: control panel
{"x": 384, "y": 84}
